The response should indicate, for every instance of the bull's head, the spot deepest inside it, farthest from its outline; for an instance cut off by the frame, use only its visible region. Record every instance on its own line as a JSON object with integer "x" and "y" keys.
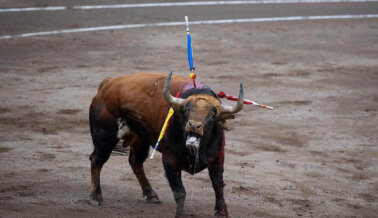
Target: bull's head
{"x": 201, "y": 112}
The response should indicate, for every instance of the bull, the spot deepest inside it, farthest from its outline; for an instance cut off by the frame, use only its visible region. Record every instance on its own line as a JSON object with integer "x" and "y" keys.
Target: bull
{"x": 133, "y": 108}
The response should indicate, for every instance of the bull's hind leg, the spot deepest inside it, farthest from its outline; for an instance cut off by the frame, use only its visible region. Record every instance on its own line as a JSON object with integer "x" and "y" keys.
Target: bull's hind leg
{"x": 104, "y": 138}
{"x": 95, "y": 193}
{"x": 138, "y": 154}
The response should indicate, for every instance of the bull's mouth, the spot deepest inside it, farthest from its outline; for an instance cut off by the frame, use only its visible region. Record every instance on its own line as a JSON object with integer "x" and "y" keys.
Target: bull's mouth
{"x": 193, "y": 140}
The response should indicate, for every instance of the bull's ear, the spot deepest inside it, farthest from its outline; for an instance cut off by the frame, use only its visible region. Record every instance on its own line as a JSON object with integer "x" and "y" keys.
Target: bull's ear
{"x": 223, "y": 118}
{"x": 227, "y": 116}
{"x": 177, "y": 108}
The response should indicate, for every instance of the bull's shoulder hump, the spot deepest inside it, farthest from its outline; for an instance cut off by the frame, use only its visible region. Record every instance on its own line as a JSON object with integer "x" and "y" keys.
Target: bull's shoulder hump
{"x": 105, "y": 81}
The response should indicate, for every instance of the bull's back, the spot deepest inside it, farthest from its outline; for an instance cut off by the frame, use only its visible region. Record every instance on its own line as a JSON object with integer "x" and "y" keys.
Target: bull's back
{"x": 138, "y": 96}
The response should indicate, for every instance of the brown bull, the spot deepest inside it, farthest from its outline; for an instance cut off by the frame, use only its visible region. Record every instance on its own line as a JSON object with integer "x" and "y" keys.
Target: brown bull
{"x": 133, "y": 108}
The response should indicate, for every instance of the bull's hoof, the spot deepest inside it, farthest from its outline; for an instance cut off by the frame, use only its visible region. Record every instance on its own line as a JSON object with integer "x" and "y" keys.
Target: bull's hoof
{"x": 152, "y": 198}
{"x": 95, "y": 200}
{"x": 95, "y": 203}
{"x": 180, "y": 213}
{"x": 221, "y": 213}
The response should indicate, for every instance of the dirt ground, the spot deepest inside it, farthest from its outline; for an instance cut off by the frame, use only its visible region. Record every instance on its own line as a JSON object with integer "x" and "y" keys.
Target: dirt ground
{"x": 315, "y": 155}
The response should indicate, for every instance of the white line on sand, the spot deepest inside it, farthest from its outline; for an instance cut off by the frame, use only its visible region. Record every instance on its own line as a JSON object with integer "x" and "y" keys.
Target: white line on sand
{"x": 58, "y": 8}
{"x": 176, "y": 4}
{"x": 206, "y": 3}
{"x": 248, "y": 20}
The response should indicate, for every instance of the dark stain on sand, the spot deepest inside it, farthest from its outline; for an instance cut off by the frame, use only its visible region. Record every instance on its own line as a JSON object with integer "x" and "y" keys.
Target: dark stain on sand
{"x": 68, "y": 111}
{"x": 5, "y": 149}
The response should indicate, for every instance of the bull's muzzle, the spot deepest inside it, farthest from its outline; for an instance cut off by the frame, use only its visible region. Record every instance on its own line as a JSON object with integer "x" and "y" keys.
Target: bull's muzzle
{"x": 194, "y": 131}
{"x": 194, "y": 127}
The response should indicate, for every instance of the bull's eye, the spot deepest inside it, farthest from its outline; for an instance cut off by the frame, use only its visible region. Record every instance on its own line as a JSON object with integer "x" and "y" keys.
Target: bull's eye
{"x": 187, "y": 109}
{"x": 212, "y": 114}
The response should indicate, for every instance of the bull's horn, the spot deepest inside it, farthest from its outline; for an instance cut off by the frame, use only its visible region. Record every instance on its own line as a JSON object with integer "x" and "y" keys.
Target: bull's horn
{"x": 176, "y": 102}
{"x": 227, "y": 109}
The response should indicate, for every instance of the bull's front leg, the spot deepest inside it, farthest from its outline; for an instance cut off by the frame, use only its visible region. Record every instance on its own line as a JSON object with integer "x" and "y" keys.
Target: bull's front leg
{"x": 174, "y": 178}
{"x": 216, "y": 176}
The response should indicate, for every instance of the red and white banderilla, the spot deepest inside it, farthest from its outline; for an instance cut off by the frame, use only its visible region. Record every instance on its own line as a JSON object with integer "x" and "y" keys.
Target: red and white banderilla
{"x": 233, "y": 98}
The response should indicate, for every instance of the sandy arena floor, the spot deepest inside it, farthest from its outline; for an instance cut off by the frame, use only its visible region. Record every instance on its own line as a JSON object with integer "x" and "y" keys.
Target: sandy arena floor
{"x": 315, "y": 155}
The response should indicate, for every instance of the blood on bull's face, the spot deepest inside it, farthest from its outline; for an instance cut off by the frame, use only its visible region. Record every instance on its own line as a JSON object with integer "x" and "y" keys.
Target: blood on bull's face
{"x": 201, "y": 112}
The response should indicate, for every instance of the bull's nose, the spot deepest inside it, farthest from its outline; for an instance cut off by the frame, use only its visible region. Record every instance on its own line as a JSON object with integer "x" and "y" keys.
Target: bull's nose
{"x": 194, "y": 126}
